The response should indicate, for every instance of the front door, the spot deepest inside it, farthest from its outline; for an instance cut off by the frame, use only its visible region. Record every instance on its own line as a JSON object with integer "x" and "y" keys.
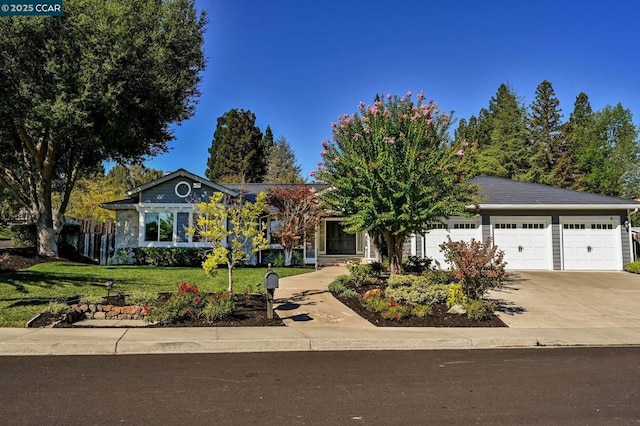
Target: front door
{"x": 338, "y": 241}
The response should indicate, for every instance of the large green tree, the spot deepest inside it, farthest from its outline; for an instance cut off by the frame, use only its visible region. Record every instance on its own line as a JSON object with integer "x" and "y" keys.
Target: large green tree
{"x": 611, "y": 157}
{"x": 282, "y": 166}
{"x": 392, "y": 171}
{"x": 546, "y": 140}
{"x": 237, "y": 153}
{"x": 102, "y": 82}
{"x": 506, "y": 155}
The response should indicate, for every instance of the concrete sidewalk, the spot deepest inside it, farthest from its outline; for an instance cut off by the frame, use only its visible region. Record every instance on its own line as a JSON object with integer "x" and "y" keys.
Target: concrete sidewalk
{"x": 316, "y": 321}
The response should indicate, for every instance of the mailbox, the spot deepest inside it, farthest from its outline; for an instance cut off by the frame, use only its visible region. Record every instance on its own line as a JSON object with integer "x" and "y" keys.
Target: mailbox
{"x": 271, "y": 280}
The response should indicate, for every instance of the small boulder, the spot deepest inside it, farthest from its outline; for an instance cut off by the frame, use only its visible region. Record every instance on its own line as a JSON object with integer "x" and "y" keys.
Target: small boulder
{"x": 457, "y": 309}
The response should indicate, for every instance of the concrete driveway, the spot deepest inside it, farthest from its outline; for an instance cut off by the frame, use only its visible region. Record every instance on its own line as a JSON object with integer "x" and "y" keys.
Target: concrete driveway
{"x": 567, "y": 299}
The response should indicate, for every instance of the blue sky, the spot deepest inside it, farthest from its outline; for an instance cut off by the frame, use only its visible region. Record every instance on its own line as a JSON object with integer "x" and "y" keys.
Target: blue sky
{"x": 298, "y": 65}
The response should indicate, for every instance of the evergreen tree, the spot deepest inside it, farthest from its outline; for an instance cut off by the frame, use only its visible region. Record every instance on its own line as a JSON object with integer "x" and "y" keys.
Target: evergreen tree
{"x": 283, "y": 167}
{"x": 546, "y": 143}
{"x": 506, "y": 153}
{"x": 237, "y": 150}
{"x": 267, "y": 146}
{"x": 570, "y": 173}
{"x": 611, "y": 157}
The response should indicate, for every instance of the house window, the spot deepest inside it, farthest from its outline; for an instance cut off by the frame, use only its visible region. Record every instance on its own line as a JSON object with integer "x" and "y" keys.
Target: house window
{"x": 505, "y": 226}
{"x": 574, "y": 226}
{"x": 274, "y": 226}
{"x": 533, "y": 226}
{"x": 464, "y": 226}
{"x": 158, "y": 227}
{"x": 182, "y": 224}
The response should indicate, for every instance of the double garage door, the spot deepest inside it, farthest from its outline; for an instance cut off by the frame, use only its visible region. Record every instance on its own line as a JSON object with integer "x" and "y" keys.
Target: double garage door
{"x": 580, "y": 243}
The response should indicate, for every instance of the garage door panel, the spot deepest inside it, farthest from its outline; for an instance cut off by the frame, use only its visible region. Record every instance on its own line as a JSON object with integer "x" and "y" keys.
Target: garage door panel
{"x": 526, "y": 243}
{"x": 590, "y": 244}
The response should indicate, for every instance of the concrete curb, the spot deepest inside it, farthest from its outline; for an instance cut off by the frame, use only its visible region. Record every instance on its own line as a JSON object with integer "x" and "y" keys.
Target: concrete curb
{"x": 129, "y": 341}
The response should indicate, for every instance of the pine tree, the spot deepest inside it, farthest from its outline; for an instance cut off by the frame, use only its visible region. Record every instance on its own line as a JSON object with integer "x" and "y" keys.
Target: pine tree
{"x": 546, "y": 143}
{"x": 506, "y": 153}
{"x": 282, "y": 167}
{"x": 570, "y": 173}
{"x": 267, "y": 144}
{"x": 237, "y": 149}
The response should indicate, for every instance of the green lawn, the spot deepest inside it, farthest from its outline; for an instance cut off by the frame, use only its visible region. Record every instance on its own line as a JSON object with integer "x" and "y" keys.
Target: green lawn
{"x": 25, "y": 293}
{"x": 5, "y": 234}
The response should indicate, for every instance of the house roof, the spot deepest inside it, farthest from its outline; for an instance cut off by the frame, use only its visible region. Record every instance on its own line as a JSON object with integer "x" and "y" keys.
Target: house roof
{"x": 124, "y": 204}
{"x": 500, "y": 193}
{"x": 250, "y": 190}
{"x": 182, "y": 173}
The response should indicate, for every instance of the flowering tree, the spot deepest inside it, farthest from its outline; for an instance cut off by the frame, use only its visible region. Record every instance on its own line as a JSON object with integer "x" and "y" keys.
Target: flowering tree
{"x": 297, "y": 210}
{"x": 392, "y": 170}
{"x": 233, "y": 230}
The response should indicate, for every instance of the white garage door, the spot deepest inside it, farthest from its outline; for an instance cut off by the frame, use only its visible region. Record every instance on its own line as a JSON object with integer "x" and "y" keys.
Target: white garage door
{"x": 458, "y": 230}
{"x": 592, "y": 244}
{"x": 526, "y": 242}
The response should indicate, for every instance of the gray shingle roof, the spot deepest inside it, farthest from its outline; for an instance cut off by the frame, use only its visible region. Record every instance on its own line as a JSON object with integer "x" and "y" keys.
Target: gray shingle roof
{"x": 500, "y": 191}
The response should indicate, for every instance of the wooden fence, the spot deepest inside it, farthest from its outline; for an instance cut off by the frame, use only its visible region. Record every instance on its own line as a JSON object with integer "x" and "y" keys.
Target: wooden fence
{"x": 96, "y": 240}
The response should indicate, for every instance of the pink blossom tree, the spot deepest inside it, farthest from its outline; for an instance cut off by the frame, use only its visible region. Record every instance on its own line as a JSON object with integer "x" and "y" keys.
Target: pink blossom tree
{"x": 392, "y": 170}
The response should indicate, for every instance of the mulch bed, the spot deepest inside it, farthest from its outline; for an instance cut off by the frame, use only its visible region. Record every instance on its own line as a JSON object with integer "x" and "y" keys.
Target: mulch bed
{"x": 14, "y": 259}
{"x": 438, "y": 317}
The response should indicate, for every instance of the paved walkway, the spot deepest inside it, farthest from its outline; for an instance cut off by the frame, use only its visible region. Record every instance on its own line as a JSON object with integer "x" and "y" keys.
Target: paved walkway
{"x": 552, "y": 309}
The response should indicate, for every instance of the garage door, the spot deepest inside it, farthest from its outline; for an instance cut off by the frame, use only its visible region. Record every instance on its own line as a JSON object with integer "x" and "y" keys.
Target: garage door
{"x": 591, "y": 244}
{"x": 526, "y": 242}
{"x": 458, "y": 230}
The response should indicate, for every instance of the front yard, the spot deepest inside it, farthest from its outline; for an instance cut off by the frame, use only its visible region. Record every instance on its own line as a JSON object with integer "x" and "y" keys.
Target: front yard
{"x": 25, "y": 293}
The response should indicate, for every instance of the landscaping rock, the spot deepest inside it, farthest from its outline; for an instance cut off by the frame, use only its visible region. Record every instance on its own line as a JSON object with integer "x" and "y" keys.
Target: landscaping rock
{"x": 457, "y": 309}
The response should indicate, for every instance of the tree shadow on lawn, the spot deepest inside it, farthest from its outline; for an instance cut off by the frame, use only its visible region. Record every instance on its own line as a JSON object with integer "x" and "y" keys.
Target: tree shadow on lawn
{"x": 20, "y": 279}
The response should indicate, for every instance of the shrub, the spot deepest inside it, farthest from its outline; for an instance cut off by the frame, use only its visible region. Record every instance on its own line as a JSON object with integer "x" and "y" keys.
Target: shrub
{"x": 417, "y": 290}
{"x": 218, "y": 306}
{"x": 421, "y": 311}
{"x": 349, "y": 294}
{"x": 377, "y": 268}
{"x": 142, "y": 298}
{"x": 395, "y": 311}
{"x": 633, "y": 267}
{"x": 24, "y": 235}
{"x": 478, "y": 266}
{"x": 337, "y": 287}
{"x": 91, "y": 300}
{"x": 374, "y": 301}
{"x": 417, "y": 265}
{"x": 359, "y": 273}
{"x": 479, "y": 310}
{"x": 58, "y": 308}
{"x": 169, "y": 256}
{"x": 456, "y": 296}
{"x": 183, "y": 305}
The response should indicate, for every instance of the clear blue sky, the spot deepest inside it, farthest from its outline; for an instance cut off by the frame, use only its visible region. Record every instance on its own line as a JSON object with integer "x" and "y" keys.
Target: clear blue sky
{"x": 298, "y": 65}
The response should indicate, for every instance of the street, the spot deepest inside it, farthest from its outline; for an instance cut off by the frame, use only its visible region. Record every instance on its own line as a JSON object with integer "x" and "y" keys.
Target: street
{"x": 505, "y": 386}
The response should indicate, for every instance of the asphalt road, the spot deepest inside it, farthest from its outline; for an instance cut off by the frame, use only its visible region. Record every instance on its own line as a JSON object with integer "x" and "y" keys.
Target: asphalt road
{"x": 510, "y": 386}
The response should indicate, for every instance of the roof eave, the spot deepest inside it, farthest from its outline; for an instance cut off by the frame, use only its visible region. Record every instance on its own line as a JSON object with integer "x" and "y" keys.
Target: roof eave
{"x": 489, "y": 206}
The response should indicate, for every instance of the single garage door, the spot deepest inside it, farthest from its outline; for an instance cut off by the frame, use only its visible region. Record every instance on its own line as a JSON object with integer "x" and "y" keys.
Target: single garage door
{"x": 591, "y": 244}
{"x": 458, "y": 230}
{"x": 526, "y": 242}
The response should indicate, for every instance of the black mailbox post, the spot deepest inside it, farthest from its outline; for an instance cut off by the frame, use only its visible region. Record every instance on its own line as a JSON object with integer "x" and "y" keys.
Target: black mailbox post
{"x": 271, "y": 280}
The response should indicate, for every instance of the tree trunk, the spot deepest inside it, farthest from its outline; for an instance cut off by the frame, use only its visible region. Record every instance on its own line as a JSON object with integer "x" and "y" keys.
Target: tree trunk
{"x": 394, "y": 246}
{"x": 288, "y": 255}
{"x": 47, "y": 236}
{"x": 230, "y": 269}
